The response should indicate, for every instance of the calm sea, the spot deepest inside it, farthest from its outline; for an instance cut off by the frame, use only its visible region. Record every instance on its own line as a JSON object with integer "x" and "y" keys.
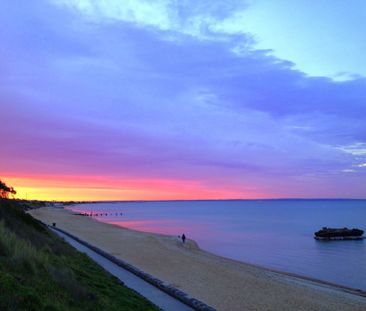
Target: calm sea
{"x": 272, "y": 233}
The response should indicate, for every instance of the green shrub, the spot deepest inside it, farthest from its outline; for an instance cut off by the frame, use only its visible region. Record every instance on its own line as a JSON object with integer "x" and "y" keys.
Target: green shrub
{"x": 66, "y": 278}
{"x": 22, "y": 255}
{"x": 31, "y": 302}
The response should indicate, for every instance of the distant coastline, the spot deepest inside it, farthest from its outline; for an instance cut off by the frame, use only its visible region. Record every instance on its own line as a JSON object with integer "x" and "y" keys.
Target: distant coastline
{"x": 74, "y": 202}
{"x": 212, "y": 200}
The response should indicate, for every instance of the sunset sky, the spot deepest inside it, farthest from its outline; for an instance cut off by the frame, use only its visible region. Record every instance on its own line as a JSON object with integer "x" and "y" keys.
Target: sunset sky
{"x": 166, "y": 99}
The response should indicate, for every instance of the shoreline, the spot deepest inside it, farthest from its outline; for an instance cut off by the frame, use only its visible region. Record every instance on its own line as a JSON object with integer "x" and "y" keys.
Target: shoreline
{"x": 319, "y": 282}
{"x": 244, "y": 285}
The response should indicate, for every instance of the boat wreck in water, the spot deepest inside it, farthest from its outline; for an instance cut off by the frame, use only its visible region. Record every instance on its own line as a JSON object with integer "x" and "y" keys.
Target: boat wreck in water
{"x": 338, "y": 234}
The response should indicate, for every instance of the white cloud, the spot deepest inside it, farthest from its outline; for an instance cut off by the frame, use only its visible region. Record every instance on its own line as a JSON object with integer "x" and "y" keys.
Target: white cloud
{"x": 153, "y": 13}
{"x": 185, "y": 17}
{"x": 357, "y": 149}
{"x": 348, "y": 170}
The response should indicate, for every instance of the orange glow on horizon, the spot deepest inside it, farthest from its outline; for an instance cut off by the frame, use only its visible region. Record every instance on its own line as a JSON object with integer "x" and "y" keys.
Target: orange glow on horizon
{"x": 101, "y": 188}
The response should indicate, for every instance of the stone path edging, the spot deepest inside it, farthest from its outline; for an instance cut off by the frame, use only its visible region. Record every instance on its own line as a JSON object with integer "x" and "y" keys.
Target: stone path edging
{"x": 170, "y": 290}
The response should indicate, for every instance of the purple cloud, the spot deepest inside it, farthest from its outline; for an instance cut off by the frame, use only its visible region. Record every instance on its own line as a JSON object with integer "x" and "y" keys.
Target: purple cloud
{"x": 119, "y": 98}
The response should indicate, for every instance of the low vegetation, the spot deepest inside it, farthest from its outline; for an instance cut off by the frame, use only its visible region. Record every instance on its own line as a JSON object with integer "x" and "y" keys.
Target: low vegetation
{"x": 5, "y": 190}
{"x": 39, "y": 271}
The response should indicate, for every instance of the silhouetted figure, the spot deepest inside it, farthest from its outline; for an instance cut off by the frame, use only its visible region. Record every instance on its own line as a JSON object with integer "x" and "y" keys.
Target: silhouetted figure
{"x": 183, "y": 238}
{"x": 54, "y": 224}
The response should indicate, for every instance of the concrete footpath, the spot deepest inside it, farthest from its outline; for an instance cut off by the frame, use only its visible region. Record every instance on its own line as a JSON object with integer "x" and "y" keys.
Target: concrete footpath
{"x": 150, "y": 292}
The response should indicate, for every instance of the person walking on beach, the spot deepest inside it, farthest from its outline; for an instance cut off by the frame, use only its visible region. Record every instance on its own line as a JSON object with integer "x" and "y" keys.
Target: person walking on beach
{"x": 183, "y": 238}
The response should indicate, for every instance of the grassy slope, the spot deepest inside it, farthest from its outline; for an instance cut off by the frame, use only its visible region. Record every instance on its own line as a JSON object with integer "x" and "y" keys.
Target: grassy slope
{"x": 39, "y": 271}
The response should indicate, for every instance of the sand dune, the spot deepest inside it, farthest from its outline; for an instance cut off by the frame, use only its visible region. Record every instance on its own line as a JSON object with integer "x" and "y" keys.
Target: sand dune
{"x": 220, "y": 282}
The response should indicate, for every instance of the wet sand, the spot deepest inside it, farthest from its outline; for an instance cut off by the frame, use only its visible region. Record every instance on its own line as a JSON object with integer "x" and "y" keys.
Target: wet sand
{"x": 223, "y": 283}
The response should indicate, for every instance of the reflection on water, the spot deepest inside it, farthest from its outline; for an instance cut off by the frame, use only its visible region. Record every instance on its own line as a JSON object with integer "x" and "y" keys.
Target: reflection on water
{"x": 272, "y": 233}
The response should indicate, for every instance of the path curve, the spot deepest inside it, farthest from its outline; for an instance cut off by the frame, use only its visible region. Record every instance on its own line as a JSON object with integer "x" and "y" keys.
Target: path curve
{"x": 165, "y": 298}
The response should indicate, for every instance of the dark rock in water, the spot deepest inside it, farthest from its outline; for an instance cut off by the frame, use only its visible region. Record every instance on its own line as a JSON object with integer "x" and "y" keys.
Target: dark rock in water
{"x": 338, "y": 234}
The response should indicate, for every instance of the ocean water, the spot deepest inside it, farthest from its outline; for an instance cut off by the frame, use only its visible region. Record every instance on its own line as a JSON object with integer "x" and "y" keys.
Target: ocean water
{"x": 272, "y": 233}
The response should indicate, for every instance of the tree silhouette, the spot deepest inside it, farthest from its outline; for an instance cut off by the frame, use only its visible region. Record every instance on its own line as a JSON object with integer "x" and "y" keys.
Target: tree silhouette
{"x": 5, "y": 190}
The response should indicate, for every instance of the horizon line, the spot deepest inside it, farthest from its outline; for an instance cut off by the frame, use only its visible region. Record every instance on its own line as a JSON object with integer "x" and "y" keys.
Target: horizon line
{"x": 191, "y": 200}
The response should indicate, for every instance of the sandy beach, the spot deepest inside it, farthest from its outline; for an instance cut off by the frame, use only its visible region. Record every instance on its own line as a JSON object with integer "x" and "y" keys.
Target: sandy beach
{"x": 220, "y": 282}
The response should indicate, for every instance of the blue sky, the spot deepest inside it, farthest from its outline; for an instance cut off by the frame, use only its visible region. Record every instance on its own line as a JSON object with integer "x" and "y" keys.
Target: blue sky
{"x": 321, "y": 38}
{"x": 234, "y": 98}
